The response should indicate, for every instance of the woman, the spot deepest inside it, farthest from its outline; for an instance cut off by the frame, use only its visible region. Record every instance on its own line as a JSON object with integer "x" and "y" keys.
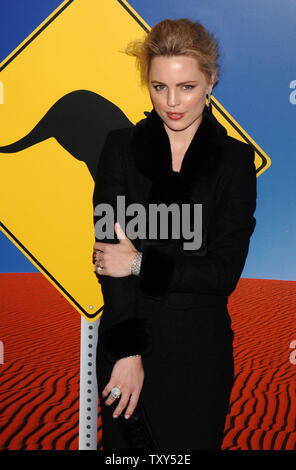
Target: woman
{"x": 165, "y": 337}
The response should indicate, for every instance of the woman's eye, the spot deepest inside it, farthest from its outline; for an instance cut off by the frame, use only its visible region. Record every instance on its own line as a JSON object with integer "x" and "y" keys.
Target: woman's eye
{"x": 162, "y": 87}
{"x": 158, "y": 87}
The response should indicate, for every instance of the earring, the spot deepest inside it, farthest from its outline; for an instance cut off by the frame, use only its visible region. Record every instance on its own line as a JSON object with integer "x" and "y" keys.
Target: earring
{"x": 209, "y": 102}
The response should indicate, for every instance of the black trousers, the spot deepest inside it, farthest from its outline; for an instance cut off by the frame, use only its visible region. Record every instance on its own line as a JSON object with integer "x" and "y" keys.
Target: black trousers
{"x": 188, "y": 379}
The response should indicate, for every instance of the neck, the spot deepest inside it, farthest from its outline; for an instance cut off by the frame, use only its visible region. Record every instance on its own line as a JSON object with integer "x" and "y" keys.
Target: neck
{"x": 181, "y": 139}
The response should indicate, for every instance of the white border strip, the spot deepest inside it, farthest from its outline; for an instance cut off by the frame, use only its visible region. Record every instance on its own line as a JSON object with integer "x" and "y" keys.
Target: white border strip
{"x": 88, "y": 405}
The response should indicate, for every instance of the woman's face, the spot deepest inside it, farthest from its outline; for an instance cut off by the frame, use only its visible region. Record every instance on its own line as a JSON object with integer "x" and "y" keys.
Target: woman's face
{"x": 178, "y": 91}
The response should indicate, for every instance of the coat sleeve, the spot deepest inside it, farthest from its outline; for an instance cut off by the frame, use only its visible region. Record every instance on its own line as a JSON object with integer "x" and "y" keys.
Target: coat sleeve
{"x": 218, "y": 271}
{"x": 121, "y": 332}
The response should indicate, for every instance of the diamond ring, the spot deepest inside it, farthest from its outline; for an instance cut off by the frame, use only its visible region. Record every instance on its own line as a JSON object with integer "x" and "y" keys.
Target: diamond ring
{"x": 115, "y": 393}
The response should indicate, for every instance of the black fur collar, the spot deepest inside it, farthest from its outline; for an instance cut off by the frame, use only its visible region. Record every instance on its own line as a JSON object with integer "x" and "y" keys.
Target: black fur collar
{"x": 152, "y": 156}
{"x": 152, "y": 153}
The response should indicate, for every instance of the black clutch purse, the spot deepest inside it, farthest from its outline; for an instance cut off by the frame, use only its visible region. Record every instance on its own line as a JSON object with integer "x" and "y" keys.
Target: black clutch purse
{"x": 138, "y": 430}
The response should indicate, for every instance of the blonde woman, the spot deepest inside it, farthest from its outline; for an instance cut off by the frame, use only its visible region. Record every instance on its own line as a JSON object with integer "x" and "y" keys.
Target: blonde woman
{"x": 165, "y": 338}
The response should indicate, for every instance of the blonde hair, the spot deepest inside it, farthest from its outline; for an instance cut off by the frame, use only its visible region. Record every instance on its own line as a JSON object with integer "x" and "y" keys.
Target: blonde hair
{"x": 173, "y": 38}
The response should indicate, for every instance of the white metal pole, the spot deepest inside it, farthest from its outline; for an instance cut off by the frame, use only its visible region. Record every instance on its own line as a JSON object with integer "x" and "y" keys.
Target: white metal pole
{"x": 88, "y": 403}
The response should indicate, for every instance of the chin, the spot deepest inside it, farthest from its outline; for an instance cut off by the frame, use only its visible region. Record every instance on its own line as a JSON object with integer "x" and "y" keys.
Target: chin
{"x": 177, "y": 125}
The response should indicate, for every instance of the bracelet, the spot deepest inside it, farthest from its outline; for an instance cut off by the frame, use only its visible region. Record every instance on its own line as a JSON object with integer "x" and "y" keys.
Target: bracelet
{"x": 133, "y": 355}
{"x": 136, "y": 264}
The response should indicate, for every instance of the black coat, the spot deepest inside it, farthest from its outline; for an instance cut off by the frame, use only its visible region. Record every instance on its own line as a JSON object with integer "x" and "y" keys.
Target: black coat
{"x": 218, "y": 172}
{"x": 175, "y": 313}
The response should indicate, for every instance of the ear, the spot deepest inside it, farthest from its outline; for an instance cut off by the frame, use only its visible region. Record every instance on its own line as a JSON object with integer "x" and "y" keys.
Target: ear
{"x": 210, "y": 86}
{"x": 213, "y": 81}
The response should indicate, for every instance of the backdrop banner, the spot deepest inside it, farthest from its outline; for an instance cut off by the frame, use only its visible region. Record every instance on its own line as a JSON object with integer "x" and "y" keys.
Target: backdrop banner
{"x": 64, "y": 84}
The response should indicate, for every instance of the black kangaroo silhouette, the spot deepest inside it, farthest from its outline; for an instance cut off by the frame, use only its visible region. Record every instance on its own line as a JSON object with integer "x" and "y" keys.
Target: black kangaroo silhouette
{"x": 79, "y": 121}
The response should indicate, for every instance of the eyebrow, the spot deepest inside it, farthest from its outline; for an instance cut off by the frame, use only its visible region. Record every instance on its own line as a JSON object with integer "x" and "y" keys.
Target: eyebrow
{"x": 182, "y": 83}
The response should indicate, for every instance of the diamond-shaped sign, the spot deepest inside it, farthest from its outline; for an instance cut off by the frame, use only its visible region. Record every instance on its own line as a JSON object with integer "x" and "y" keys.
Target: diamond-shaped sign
{"x": 63, "y": 89}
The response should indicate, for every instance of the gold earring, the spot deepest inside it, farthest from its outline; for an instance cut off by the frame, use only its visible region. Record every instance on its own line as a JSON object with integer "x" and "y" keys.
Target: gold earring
{"x": 209, "y": 102}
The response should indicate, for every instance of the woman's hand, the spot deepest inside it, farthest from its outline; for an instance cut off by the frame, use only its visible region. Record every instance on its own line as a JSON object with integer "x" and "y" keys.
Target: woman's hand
{"x": 115, "y": 259}
{"x": 128, "y": 375}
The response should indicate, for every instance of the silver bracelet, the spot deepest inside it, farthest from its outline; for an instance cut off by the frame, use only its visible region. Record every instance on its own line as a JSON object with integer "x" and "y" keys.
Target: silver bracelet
{"x": 133, "y": 355}
{"x": 136, "y": 264}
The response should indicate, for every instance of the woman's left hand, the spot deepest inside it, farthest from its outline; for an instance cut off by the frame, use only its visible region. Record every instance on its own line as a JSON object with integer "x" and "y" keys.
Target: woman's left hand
{"x": 115, "y": 259}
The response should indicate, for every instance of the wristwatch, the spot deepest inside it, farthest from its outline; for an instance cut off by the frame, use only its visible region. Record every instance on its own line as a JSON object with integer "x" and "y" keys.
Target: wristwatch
{"x": 136, "y": 264}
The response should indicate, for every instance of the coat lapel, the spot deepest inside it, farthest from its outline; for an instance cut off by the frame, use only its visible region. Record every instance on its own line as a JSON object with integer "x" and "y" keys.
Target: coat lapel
{"x": 152, "y": 156}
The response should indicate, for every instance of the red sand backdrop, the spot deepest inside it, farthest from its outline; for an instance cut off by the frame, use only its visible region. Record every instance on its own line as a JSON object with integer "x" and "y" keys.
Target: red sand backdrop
{"x": 39, "y": 380}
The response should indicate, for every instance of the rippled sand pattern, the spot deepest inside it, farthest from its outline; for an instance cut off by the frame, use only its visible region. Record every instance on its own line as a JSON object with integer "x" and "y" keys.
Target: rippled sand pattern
{"x": 262, "y": 412}
{"x": 39, "y": 380}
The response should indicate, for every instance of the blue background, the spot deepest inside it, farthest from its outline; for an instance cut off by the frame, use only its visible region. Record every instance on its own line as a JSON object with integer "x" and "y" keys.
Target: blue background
{"x": 257, "y": 57}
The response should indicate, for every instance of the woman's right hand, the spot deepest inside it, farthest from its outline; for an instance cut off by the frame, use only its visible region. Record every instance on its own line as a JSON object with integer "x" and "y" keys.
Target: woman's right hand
{"x": 128, "y": 375}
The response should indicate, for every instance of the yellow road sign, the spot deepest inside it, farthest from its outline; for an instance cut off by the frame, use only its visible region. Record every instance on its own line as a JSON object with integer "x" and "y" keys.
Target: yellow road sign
{"x": 63, "y": 89}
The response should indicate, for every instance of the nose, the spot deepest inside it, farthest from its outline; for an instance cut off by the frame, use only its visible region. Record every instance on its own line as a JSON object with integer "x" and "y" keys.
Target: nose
{"x": 173, "y": 97}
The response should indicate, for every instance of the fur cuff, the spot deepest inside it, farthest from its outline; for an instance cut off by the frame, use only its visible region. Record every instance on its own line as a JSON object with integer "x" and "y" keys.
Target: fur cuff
{"x": 156, "y": 270}
{"x": 126, "y": 338}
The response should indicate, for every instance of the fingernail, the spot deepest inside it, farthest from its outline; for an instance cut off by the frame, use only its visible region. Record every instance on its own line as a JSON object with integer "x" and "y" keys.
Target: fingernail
{"x": 127, "y": 416}
{"x": 115, "y": 416}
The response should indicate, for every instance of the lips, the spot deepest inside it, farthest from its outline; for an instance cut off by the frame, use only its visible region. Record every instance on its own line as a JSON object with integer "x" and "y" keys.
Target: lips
{"x": 175, "y": 116}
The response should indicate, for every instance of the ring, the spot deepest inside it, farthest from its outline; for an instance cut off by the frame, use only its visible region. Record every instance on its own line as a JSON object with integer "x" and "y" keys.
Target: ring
{"x": 99, "y": 268}
{"x": 115, "y": 393}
